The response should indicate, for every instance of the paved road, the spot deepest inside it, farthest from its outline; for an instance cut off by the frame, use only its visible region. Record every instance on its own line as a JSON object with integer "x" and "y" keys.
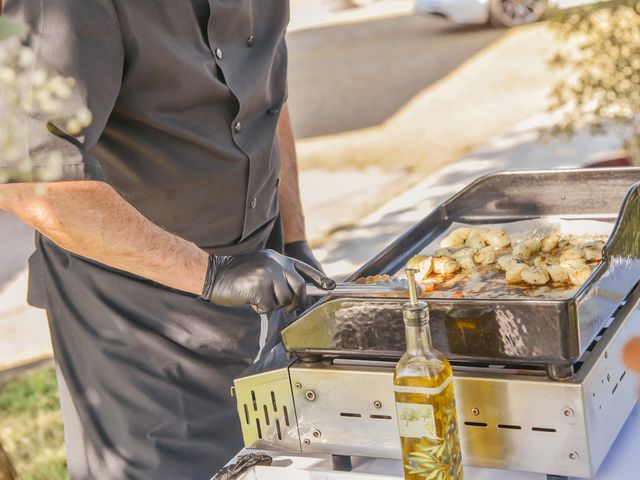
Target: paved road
{"x": 23, "y": 329}
{"x": 346, "y": 77}
{"x": 16, "y": 240}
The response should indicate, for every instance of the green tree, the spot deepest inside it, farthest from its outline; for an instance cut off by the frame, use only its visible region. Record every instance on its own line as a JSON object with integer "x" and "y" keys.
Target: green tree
{"x": 602, "y": 61}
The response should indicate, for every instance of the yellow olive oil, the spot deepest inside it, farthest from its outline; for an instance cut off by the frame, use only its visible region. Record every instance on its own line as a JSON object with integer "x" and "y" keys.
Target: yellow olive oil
{"x": 425, "y": 402}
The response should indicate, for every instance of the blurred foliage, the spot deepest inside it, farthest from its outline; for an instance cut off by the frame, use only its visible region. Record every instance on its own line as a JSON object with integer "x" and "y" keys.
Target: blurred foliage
{"x": 9, "y": 29}
{"x": 602, "y": 61}
{"x": 31, "y": 98}
{"x": 31, "y": 426}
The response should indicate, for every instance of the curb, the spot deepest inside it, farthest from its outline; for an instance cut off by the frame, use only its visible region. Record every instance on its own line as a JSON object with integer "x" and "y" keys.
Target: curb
{"x": 19, "y": 371}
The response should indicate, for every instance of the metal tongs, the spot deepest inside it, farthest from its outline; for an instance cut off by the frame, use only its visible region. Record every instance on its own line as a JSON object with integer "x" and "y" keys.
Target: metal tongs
{"x": 350, "y": 289}
{"x": 243, "y": 463}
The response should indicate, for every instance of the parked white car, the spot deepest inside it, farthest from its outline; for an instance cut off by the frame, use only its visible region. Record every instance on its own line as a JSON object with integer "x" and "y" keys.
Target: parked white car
{"x": 503, "y": 13}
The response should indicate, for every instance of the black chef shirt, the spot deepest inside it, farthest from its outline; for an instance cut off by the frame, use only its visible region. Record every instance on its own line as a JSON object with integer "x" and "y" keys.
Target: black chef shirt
{"x": 185, "y": 97}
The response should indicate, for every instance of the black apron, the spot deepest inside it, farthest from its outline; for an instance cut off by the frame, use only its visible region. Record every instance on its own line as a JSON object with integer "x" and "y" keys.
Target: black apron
{"x": 145, "y": 372}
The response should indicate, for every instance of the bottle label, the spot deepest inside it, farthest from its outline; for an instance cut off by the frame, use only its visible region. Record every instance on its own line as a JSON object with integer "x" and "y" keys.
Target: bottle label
{"x": 424, "y": 390}
{"x": 416, "y": 420}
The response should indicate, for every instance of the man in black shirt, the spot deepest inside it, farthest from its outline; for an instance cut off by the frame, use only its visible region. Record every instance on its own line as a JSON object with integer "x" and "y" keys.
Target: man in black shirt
{"x": 153, "y": 258}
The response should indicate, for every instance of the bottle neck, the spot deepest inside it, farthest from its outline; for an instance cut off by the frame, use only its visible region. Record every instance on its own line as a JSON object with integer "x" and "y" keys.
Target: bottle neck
{"x": 418, "y": 338}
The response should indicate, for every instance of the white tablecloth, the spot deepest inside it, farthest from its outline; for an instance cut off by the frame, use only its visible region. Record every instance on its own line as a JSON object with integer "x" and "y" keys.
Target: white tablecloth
{"x": 622, "y": 462}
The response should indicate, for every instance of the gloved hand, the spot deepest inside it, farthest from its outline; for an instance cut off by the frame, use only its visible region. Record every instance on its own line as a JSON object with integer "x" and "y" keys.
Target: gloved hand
{"x": 265, "y": 280}
{"x": 300, "y": 250}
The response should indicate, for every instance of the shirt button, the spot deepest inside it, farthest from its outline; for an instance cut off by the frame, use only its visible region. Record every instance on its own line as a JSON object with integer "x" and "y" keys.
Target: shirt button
{"x": 218, "y": 53}
{"x": 250, "y": 40}
{"x": 237, "y": 127}
{"x": 273, "y": 111}
{"x": 254, "y": 202}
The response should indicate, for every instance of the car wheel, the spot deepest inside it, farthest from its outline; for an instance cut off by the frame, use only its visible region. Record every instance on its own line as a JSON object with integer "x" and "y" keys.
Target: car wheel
{"x": 509, "y": 13}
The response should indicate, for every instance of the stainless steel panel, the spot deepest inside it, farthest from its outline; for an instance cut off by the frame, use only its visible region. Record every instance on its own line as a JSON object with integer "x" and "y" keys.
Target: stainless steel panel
{"x": 347, "y": 411}
{"x": 267, "y": 412}
{"x": 520, "y": 422}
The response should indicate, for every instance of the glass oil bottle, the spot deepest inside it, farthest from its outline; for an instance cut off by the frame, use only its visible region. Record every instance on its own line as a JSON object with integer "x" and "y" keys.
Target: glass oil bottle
{"x": 425, "y": 403}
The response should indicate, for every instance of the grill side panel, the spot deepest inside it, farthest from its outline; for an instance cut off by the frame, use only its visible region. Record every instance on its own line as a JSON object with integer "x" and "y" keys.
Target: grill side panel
{"x": 267, "y": 411}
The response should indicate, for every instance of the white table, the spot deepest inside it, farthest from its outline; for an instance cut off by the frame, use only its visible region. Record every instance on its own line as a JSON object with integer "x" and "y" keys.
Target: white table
{"x": 622, "y": 463}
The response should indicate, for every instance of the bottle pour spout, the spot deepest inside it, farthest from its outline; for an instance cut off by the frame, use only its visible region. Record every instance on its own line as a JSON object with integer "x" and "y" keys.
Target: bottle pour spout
{"x": 415, "y": 312}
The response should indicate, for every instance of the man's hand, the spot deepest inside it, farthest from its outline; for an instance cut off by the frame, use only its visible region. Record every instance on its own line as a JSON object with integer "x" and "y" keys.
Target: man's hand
{"x": 265, "y": 280}
{"x": 300, "y": 250}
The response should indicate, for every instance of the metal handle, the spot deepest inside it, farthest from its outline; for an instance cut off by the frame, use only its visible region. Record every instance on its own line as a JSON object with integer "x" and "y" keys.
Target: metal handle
{"x": 358, "y": 289}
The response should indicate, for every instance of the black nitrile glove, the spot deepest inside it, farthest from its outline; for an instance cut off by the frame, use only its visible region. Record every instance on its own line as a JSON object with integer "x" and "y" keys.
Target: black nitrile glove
{"x": 301, "y": 250}
{"x": 265, "y": 280}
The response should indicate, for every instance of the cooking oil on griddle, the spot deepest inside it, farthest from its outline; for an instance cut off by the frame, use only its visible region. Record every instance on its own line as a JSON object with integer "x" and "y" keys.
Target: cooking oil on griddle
{"x": 425, "y": 402}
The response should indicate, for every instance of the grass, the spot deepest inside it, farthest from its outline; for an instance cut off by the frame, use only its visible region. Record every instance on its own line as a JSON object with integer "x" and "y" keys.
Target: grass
{"x": 31, "y": 426}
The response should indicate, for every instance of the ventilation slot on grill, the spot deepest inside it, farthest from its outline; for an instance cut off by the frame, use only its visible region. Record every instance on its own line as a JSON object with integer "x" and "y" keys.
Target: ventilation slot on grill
{"x": 246, "y": 414}
{"x": 544, "y": 430}
{"x": 286, "y": 415}
{"x": 253, "y": 399}
{"x": 278, "y": 431}
{"x": 351, "y": 415}
{"x": 380, "y": 417}
{"x": 624, "y": 373}
{"x": 509, "y": 427}
{"x": 475, "y": 424}
{"x": 273, "y": 402}
{"x": 259, "y": 429}
{"x": 266, "y": 415}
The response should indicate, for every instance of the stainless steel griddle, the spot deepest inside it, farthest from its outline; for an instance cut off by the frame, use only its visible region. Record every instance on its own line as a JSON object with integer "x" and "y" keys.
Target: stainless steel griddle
{"x": 539, "y": 383}
{"x": 518, "y": 330}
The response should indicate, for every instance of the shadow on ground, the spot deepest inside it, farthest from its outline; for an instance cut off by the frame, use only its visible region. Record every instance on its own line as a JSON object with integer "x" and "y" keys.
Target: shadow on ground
{"x": 347, "y": 77}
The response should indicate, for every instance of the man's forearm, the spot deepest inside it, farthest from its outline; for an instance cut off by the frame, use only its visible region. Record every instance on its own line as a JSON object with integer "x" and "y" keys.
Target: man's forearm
{"x": 290, "y": 203}
{"x": 90, "y": 219}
